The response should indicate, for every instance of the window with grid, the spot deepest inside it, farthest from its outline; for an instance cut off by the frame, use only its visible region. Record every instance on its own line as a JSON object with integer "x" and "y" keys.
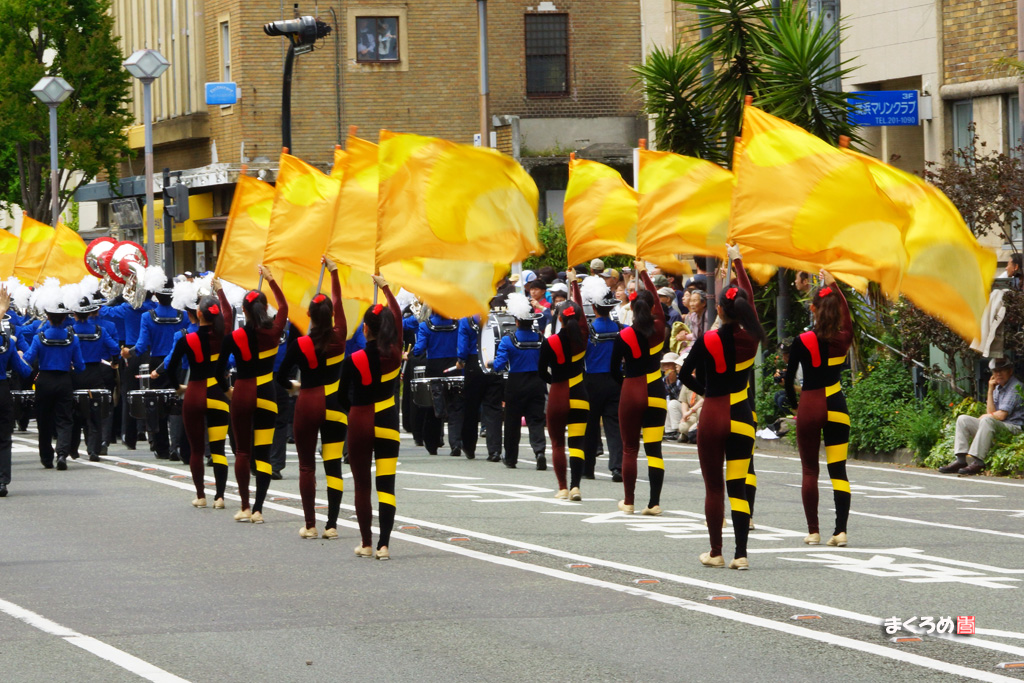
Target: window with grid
{"x": 547, "y": 54}
{"x": 377, "y": 39}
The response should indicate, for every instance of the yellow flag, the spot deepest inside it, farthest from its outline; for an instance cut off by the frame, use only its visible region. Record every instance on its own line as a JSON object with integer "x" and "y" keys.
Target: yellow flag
{"x": 354, "y": 233}
{"x": 455, "y": 289}
{"x": 948, "y": 274}
{"x": 66, "y": 259}
{"x": 684, "y": 208}
{"x": 33, "y": 248}
{"x": 799, "y": 200}
{"x": 245, "y": 235}
{"x": 443, "y": 200}
{"x": 300, "y": 227}
{"x": 8, "y": 254}
{"x": 600, "y": 212}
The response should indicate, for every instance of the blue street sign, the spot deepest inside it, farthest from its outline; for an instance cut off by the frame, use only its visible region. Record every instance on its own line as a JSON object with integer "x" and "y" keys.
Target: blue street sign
{"x": 885, "y": 108}
{"x": 221, "y": 93}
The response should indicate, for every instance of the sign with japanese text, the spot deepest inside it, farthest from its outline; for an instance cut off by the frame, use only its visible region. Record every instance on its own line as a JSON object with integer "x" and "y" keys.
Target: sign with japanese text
{"x": 885, "y": 108}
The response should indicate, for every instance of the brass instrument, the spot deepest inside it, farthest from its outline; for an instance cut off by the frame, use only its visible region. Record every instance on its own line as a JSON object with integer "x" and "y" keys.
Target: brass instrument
{"x": 126, "y": 264}
{"x": 95, "y": 263}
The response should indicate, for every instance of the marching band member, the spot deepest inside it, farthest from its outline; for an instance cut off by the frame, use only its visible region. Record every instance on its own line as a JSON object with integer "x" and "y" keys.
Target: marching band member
{"x": 318, "y": 356}
{"x": 368, "y": 379}
{"x": 602, "y": 388}
{"x": 821, "y": 411}
{"x": 185, "y": 298}
{"x": 205, "y": 406}
{"x": 98, "y": 348}
{"x": 642, "y": 401}
{"x": 129, "y": 319}
{"x": 725, "y": 432}
{"x": 438, "y": 337}
{"x": 482, "y": 394}
{"x": 561, "y": 366}
{"x": 285, "y": 411}
{"x": 20, "y": 295}
{"x": 9, "y": 360}
{"x": 253, "y": 399}
{"x": 57, "y": 352}
{"x": 519, "y": 353}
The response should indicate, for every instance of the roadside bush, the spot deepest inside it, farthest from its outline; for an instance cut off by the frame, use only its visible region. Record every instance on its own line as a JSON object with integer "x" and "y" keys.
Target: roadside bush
{"x": 881, "y": 406}
{"x": 942, "y": 452}
{"x": 764, "y": 395}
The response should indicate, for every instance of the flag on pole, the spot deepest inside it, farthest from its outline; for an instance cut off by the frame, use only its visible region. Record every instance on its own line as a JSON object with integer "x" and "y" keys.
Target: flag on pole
{"x": 245, "y": 235}
{"x": 33, "y": 248}
{"x": 684, "y": 208}
{"x": 66, "y": 258}
{"x": 8, "y": 254}
{"x": 300, "y": 226}
{"x": 353, "y": 237}
{"x": 948, "y": 274}
{"x": 442, "y": 200}
{"x": 455, "y": 289}
{"x": 800, "y": 201}
{"x": 600, "y": 212}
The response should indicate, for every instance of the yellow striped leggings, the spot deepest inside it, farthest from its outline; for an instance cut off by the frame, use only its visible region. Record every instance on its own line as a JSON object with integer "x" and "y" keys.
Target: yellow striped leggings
{"x": 373, "y": 436}
{"x": 205, "y": 414}
{"x": 317, "y": 413}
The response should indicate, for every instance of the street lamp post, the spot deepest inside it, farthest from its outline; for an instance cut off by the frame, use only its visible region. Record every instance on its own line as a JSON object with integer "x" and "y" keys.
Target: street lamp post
{"x": 51, "y": 91}
{"x": 147, "y": 66}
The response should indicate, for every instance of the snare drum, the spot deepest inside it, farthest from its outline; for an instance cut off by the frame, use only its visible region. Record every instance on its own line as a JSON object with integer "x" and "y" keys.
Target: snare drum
{"x": 88, "y": 400}
{"x": 499, "y": 324}
{"x": 420, "y": 387}
{"x": 24, "y": 403}
{"x": 164, "y": 401}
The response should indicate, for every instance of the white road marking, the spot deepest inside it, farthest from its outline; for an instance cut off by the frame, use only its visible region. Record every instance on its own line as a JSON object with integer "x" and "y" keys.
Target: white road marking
{"x": 802, "y": 605}
{"x": 938, "y": 524}
{"x": 120, "y": 658}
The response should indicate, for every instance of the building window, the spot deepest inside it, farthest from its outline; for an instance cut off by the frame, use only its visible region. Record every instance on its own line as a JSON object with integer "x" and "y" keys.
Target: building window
{"x": 1013, "y": 126}
{"x": 547, "y": 54}
{"x": 963, "y": 117}
{"x": 225, "y": 51}
{"x": 377, "y": 39}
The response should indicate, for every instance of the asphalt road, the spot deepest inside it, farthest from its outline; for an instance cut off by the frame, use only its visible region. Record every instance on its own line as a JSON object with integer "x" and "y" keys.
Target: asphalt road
{"x": 108, "y": 574}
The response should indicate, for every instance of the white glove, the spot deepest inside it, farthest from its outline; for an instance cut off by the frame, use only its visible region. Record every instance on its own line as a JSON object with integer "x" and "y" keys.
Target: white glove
{"x": 733, "y": 252}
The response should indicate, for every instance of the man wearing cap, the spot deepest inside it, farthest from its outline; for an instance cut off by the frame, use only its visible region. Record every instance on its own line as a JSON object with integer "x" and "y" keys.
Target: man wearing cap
{"x": 611, "y": 278}
{"x": 673, "y": 386}
{"x": 58, "y": 353}
{"x": 98, "y": 349}
{"x": 156, "y": 337}
{"x": 596, "y": 266}
{"x": 668, "y": 300}
{"x": 1005, "y": 413}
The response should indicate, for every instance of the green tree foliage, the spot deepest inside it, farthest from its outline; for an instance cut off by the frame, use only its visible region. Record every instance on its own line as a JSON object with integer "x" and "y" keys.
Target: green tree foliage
{"x": 73, "y": 39}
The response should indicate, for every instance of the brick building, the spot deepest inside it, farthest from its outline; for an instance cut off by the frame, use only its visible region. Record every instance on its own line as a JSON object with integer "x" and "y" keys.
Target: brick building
{"x": 560, "y": 80}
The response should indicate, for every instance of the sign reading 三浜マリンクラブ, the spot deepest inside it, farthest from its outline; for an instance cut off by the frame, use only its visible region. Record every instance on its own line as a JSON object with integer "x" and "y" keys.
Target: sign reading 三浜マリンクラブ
{"x": 885, "y": 108}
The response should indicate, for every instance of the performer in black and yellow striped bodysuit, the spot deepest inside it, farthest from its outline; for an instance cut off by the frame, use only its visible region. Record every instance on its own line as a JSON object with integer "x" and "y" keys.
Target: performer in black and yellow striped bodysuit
{"x": 253, "y": 398}
{"x": 726, "y": 428}
{"x": 205, "y": 407}
{"x": 368, "y": 380}
{"x": 318, "y": 356}
{"x": 561, "y": 366}
{"x": 643, "y": 402}
{"x": 822, "y": 407}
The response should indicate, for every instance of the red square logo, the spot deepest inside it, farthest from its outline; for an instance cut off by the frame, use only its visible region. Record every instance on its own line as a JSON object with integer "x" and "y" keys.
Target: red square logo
{"x": 965, "y": 626}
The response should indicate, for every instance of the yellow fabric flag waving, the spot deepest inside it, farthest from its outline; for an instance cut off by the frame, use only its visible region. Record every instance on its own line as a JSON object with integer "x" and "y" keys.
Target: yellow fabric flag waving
{"x": 443, "y": 200}
{"x": 949, "y": 274}
{"x": 300, "y": 227}
{"x": 33, "y": 248}
{"x": 8, "y": 254}
{"x": 798, "y": 200}
{"x": 455, "y": 289}
{"x": 66, "y": 259}
{"x": 600, "y": 212}
{"x": 245, "y": 235}
{"x": 354, "y": 233}
{"x": 684, "y": 208}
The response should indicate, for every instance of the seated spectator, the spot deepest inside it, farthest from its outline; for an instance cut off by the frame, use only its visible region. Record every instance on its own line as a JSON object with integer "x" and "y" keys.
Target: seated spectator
{"x": 1005, "y": 412}
{"x": 673, "y": 386}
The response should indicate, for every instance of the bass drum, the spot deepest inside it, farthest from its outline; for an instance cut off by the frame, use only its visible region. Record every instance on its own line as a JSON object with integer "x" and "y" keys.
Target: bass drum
{"x": 499, "y": 324}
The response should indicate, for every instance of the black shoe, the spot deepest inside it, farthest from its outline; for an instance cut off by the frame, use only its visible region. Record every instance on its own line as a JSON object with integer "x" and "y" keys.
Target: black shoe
{"x": 103, "y": 450}
{"x": 616, "y": 475}
{"x": 456, "y": 452}
{"x": 47, "y": 465}
{"x": 671, "y": 436}
{"x": 3, "y": 490}
{"x": 953, "y": 467}
{"x": 510, "y": 465}
{"x": 163, "y": 456}
{"x": 542, "y": 463}
{"x": 493, "y": 458}
{"x": 470, "y": 455}
{"x": 74, "y": 456}
{"x": 94, "y": 457}
{"x": 276, "y": 475}
{"x": 418, "y": 442}
{"x": 129, "y": 446}
{"x": 62, "y": 462}
{"x": 600, "y": 452}
{"x": 589, "y": 475}
{"x": 976, "y": 468}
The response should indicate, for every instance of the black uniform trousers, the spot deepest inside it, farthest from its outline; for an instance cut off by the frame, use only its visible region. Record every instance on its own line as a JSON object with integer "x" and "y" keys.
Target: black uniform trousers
{"x": 91, "y": 421}
{"x": 156, "y": 422}
{"x": 6, "y": 429}
{"x": 525, "y": 394}
{"x": 179, "y": 444}
{"x": 54, "y": 405}
{"x": 449, "y": 403}
{"x": 282, "y": 429}
{"x": 129, "y": 382}
{"x": 482, "y": 398}
{"x": 603, "y": 391}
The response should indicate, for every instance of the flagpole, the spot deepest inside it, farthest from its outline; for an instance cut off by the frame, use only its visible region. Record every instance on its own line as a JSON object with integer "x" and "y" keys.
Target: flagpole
{"x": 323, "y": 267}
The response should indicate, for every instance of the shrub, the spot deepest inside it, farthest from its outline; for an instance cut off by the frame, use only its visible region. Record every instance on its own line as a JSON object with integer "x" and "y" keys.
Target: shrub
{"x": 881, "y": 405}
{"x": 942, "y": 452}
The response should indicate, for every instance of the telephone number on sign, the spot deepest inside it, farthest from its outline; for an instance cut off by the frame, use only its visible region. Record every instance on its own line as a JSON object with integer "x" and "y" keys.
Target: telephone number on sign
{"x": 895, "y": 120}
